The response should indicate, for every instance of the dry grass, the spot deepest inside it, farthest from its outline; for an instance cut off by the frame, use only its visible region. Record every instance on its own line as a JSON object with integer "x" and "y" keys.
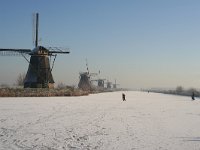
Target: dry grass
{"x": 18, "y": 92}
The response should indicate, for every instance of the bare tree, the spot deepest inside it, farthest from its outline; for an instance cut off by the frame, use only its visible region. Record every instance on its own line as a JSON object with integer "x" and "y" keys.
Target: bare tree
{"x": 20, "y": 79}
{"x": 179, "y": 89}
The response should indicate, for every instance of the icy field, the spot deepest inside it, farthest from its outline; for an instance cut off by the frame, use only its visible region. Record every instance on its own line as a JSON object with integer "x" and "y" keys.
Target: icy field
{"x": 146, "y": 121}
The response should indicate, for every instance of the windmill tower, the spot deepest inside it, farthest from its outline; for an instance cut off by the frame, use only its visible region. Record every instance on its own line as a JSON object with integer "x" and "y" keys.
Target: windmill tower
{"x": 115, "y": 85}
{"x": 100, "y": 83}
{"x": 39, "y": 74}
{"x": 108, "y": 85}
{"x": 85, "y": 80}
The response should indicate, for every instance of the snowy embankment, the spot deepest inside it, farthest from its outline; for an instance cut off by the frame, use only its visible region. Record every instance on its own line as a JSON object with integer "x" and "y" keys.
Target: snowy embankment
{"x": 146, "y": 121}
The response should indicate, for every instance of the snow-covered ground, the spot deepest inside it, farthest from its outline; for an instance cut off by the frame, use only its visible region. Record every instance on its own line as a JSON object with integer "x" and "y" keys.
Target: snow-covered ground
{"x": 146, "y": 121}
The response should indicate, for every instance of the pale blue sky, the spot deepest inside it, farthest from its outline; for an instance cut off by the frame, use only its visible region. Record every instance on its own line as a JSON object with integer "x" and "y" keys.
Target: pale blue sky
{"x": 141, "y": 43}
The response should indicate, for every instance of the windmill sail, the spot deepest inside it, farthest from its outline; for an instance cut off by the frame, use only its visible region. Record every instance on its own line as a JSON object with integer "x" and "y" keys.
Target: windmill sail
{"x": 58, "y": 50}
{"x": 14, "y": 52}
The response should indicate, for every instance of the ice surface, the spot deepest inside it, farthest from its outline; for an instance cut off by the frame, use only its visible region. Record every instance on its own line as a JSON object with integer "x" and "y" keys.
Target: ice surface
{"x": 146, "y": 121}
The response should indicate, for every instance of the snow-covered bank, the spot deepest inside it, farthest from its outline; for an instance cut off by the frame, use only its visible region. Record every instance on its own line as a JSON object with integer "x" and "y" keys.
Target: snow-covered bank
{"x": 146, "y": 121}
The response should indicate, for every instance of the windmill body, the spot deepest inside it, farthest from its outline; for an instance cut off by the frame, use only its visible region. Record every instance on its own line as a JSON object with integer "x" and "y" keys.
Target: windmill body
{"x": 100, "y": 83}
{"x": 109, "y": 85}
{"x": 39, "y": 71}
{"x": 84, "y": 82}
{"x": 115, "y": 85}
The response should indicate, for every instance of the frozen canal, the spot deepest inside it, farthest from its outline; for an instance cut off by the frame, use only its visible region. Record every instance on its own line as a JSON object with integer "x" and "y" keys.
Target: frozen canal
{"x": 146, "y": 121}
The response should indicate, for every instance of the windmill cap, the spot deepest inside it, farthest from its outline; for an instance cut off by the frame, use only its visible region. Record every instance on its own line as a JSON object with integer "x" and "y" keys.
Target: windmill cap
{"x": 40, "y": 50}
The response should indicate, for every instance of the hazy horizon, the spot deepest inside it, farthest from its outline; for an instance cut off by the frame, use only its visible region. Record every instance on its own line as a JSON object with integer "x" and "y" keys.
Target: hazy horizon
{"x": 141, "y": 44}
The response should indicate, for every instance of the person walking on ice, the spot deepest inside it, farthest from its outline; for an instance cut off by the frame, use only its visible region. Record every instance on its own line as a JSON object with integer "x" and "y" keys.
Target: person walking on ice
{"x": 193, "y": 96}
{"x": 123, "y": 97}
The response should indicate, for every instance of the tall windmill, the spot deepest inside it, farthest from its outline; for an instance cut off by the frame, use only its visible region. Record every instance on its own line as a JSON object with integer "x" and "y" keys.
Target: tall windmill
{"x": 39, "y": 74}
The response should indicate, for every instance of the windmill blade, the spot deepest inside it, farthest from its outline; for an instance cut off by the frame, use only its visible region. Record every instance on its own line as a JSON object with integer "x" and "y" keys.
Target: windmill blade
{"x": 35, "y": 28}
{"x": 14, "y": 52}
{"x": 53, "y": 50}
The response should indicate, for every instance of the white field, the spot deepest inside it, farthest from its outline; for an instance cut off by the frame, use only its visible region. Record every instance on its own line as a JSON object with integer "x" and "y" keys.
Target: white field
{"x": 146, "y": 121}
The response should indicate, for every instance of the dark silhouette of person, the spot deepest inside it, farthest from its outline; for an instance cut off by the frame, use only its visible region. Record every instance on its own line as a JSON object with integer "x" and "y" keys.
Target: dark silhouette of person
{"x": 123, "y": 97}
{"x": 193, "y": 98}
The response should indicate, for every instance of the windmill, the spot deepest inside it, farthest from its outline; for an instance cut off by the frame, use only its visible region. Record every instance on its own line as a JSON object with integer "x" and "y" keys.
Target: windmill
{"x": 84, "y": 82}
{"x": 108, "y": 84}
{"x": 115, "y": 84}
{"x": 85, "y": 79}
{"x": 100, "y": 82}
{"x": 39, "y": 74}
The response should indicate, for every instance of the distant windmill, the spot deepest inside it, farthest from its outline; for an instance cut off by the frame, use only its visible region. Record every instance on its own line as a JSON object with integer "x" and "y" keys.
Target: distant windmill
{"x": 39, "y": 74}
{"x": 115, "y": 84}
{"x": 100, "y": 82}
{"x": 84, "y": 82}
{"x": 85, "y": 79}
{"x": 108, "y": 85}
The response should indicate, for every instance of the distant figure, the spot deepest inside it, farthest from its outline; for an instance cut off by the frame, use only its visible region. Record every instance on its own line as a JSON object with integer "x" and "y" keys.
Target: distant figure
{"x": 193, "y": 96}
{"x": 123, "y": 97}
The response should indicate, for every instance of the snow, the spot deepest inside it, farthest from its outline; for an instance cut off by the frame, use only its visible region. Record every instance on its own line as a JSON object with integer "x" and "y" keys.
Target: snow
{"x": 146, "y": 121}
